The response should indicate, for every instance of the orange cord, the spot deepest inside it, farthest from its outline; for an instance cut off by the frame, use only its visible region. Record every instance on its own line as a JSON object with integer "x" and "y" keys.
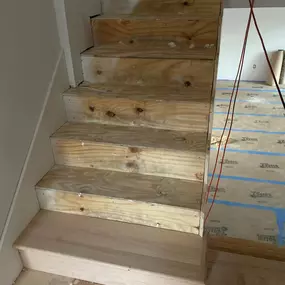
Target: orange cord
{"x": 235, "y": 90}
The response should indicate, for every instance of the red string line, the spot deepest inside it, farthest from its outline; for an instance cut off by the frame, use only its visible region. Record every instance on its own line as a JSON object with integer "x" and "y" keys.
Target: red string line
{"x": 232, "y": 101}
{"x": 236, "y": 87}
{"x": 265, "y": 52}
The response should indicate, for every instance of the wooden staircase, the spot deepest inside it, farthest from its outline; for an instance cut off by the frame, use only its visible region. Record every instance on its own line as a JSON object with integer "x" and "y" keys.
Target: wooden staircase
{"x": 124, "y": 202}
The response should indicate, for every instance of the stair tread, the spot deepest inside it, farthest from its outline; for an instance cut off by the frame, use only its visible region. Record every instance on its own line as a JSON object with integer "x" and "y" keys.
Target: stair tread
{"x": 134, "y": 137}
{"x": 169, "y": 72}
{"x": 130, "y": 186}
{"x": 134, "y": 247}
{"x": 151, "y": 49}
{"x": 159, "y": 93}
{"x": 33, "y": 277}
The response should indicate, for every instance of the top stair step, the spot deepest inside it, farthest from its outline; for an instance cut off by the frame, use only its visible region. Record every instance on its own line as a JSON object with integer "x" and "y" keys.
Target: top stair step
{"x": 155, "y": 38}
{"x": 187, "y": 8}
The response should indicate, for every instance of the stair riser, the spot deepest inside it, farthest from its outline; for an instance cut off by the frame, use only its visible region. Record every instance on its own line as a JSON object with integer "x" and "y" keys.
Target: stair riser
{"x": 173, "y": 115}
{"x": 148, "y": 214}
{"x": 148, "y": 72}
{"x": 158, "y": 162}
{"x": 192, "y": 8}
{"x": 170, "y": 33}
{"x": 101, "y": 272}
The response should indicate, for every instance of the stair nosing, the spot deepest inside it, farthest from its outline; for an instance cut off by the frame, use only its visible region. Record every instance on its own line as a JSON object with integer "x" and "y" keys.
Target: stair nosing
{"x": 120, "y": 55}
{"x": 75, "y": 92}
{"x": 203, "y": 134}
{"x": 196, "y": 211}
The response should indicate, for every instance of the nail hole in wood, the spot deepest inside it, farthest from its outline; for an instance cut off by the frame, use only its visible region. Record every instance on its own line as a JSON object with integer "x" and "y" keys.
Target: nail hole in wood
{"x": 134, "y": 149}
{"x": 130, "y": 164}
{"x": 125, "y": 22}
{"x": 186, "y": 3}
{"x": 92, "y": 108}
{"x": 99, "y": 72}
{"x": 131, "y": 41}
{"x": 110, "y": 114}
{"x": 187, "y": 83}
{"x": 139, "y": 110}
{"x": 81, "y": 209}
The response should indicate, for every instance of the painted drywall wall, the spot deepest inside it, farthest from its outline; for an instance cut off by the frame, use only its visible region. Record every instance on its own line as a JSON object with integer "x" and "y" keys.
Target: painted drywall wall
{"x": 38, "y": 162}
{"x": 272, "y": 26}
{"x": 258, "y": 3}
{"x": 30, "y": 55}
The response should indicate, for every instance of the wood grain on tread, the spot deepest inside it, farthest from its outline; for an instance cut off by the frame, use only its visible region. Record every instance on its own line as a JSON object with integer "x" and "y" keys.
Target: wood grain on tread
{"x": 140, "y": 150}
{"x": 190, "y": 8}
{"x": 98, "y": 250}
{"x": 148, "y": 72}
{"x": 140, "y": 49}
{"x": 127, "y": 197}
{"x": 156, "y": 111}
{"x": 155, "y": 93}
{"x": 247, "y": 247}
{"x": 32, "y": 277}
{"x": 172, "y": 38}
{"x": 233, "y": 269}
{"x": 220, "y": 273}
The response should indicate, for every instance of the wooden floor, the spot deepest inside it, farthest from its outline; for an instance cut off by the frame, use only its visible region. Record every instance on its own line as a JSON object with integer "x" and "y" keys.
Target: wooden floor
{"x": 223, "y": 269}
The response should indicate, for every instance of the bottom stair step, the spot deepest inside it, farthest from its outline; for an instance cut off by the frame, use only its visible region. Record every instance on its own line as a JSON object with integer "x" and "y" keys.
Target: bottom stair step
{"x": 127, "y": 197}
{"x": 111, "y": 253}
{"x": 33, "y": 277}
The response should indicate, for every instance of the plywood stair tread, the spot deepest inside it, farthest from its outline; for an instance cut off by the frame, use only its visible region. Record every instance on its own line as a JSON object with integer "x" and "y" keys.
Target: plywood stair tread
{"x": 128, "y": 197}
{"x": 159, "y": 108}
{"x": 134, "y": 137}
{"x": 101, "y": 250}
{"x": 152, "y": 49}
{"x": 191, "y": 94}
{"x": 179, "y": 38}
{"x": 120, "y": 185}
{"x": 141, "y": 150}
{"x": 33, "y": 277}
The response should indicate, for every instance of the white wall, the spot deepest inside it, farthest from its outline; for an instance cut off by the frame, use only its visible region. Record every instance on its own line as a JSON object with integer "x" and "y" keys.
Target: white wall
{"x": 73, "y": 19}
{"x": 29, "y": 50}
{"x": 258, "y": 3}
{"x": 272, "y": 26}
{"x": 32, "y": 77}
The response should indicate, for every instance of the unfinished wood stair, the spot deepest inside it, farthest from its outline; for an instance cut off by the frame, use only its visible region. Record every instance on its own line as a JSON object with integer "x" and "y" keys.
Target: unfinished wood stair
{"x": 124, "y": 202}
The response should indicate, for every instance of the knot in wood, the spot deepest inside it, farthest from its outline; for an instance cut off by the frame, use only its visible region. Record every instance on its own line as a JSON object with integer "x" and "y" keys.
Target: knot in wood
{"x": 139, "y": 110}
{"x": 110, "y": 114}
{"x": 134, "y": 149}
{"x": 187, "y": 83}
{"x": 91, "y": 108}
